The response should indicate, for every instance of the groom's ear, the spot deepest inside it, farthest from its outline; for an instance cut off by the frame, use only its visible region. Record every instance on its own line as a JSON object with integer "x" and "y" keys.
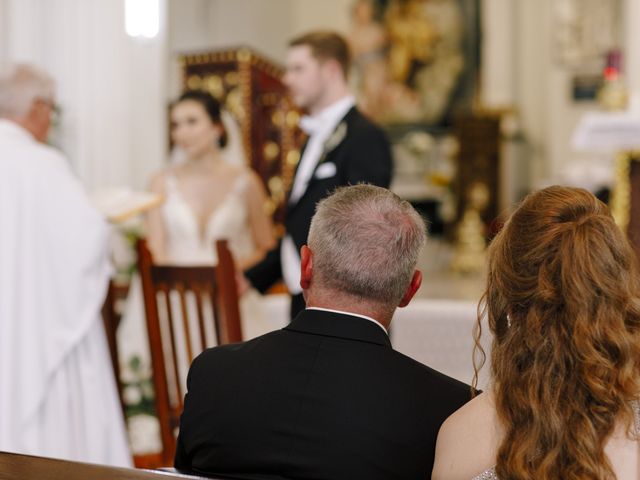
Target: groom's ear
{"x": 306, "y": 267}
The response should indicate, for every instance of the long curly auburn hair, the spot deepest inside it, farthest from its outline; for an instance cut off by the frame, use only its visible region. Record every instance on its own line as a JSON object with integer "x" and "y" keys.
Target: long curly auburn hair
{"x": 562, "y": 304}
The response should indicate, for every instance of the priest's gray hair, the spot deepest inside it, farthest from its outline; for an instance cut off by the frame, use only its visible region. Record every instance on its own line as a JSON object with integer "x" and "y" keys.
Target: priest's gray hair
{"x": 365, "y": 242}
{"x": 20, "y": 86}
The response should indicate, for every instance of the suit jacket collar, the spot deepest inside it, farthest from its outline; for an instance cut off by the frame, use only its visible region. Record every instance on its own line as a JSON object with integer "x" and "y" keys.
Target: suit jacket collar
{"x": 318, "y": 322}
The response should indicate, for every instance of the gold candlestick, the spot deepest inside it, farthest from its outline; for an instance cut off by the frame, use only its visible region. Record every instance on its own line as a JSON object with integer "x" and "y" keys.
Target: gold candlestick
{"x": 469, "y": 255}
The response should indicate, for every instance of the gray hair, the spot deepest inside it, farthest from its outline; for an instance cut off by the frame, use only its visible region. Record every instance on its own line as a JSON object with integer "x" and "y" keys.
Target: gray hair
{"x": 365, "y": 242}
{"x": 20, "y": 86}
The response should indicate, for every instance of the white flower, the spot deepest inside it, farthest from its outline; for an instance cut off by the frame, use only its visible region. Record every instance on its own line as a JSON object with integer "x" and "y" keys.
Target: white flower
{"x": 132, "y": 395}
{"x": 144, "y": 434}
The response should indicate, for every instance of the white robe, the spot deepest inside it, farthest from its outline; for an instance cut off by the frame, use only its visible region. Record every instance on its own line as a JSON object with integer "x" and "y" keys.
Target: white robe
{"x": 57, "y": 392}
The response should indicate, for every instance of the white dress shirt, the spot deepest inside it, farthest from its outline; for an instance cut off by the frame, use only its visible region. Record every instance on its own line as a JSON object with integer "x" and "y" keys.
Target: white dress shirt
{"x": 319, "y": 128}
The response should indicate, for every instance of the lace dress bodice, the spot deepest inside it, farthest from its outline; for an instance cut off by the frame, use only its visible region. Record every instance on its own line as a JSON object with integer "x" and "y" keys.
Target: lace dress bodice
{"x": 491, "y": 473}
{"x": 188, "y": 244}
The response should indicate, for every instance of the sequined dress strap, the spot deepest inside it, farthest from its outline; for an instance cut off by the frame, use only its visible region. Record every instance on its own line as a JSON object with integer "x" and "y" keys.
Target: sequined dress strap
{"x": 487, "y": 475}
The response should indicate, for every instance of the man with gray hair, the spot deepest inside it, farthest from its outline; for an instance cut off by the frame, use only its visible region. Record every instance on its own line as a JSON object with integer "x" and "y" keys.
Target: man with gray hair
{"x": 57, "y": 391}
{"x": 327, "y": 396}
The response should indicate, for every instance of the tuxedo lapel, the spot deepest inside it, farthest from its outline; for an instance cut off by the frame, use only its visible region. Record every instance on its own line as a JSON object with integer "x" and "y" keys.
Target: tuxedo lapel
{"x": 333, "y": 143}
{"x": 295, "y": 173}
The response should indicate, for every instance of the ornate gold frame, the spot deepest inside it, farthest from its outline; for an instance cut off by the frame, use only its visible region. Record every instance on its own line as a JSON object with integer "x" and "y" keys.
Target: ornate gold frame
{"x": 620, "y": 202}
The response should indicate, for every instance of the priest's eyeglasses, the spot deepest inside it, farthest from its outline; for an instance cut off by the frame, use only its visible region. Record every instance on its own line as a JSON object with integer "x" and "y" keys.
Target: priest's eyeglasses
{"x": 53, "y": 106}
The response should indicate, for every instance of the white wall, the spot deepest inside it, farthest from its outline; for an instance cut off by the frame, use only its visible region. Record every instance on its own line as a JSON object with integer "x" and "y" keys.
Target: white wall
{"x": 632, "y": 45}
{"x": 3, "y": 32}
{"x": 197, "y": 25}
{"x": 314, "y": 14}
{"x": 265, "y": 26}
{"x": 110, "y": 87}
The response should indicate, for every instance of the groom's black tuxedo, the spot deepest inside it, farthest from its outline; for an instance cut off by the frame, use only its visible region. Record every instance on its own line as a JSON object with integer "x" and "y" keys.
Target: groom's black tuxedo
{"x": 324, "y": 398}
{"x": 362, "y": 155}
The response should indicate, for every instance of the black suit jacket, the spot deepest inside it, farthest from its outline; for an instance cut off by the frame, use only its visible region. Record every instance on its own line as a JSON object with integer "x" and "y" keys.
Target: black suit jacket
{"x": 364, "y": 155}
{"x": 324, "y": 398}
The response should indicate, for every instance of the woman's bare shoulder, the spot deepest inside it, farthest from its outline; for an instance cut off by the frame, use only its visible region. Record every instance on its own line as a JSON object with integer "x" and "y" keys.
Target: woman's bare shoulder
{"x": 251, "y": 180}
{"x": 468, "y": 440}
{"x": 159, "y": 179}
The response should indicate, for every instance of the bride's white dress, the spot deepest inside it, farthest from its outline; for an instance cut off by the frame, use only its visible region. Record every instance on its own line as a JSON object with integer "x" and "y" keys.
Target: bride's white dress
{"x": 187, "y": 243}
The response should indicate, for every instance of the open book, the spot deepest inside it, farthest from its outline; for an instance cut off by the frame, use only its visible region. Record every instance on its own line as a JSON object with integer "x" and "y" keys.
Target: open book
{"x": 119, "y": 204}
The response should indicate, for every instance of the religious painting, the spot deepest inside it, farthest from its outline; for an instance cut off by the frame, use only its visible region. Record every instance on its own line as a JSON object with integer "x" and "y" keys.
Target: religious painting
{"x": 415, "y": 61}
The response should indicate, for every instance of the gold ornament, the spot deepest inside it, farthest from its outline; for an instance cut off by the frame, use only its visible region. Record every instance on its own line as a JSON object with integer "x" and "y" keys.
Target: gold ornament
{"x": 469, "y": 255}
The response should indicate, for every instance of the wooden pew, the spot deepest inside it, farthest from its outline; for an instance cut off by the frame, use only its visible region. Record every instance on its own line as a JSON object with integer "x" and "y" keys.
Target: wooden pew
{"x": 15, "y": 466}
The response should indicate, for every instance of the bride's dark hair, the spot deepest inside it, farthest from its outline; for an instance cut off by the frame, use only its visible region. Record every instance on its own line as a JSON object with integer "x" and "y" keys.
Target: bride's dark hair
{"x": 562, "y": 305}
{"x": 211, "y": 106}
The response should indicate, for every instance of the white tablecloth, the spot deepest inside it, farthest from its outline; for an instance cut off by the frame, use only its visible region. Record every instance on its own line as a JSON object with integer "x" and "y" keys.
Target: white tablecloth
{"x": 439, "y": 333}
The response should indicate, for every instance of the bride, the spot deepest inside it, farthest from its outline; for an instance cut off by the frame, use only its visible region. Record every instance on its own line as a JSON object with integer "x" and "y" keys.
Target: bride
{"x": 207, "y": 196}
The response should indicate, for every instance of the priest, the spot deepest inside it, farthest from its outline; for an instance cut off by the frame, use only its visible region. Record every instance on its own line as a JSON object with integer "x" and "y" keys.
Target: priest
{"x": 57, "y": 391}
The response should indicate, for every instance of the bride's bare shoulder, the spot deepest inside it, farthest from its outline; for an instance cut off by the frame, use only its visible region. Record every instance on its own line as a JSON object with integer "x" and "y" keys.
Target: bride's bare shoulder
{"x": 158, "y": 180}
{"x": 468, "y": 440}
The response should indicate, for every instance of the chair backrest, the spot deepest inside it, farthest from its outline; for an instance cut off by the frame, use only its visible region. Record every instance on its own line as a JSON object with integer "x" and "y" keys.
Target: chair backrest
{"x": 111, "y": 318}
{"x": 188, "y": 308}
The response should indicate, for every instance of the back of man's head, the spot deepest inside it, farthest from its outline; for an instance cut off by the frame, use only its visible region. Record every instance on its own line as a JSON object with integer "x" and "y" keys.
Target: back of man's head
{"x": 365, "y": 242}
{"x": 20, "y": 86}
{"x": 326, "y": 45}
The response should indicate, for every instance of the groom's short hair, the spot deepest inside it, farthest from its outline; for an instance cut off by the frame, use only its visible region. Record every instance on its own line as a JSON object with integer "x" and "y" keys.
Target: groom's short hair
{"x": 326, "y": 45}
{"x": 365, "y": 242}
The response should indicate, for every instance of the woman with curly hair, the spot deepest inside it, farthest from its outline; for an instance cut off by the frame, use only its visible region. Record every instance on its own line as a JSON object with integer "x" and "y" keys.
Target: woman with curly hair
{"x": 562, "y": 305}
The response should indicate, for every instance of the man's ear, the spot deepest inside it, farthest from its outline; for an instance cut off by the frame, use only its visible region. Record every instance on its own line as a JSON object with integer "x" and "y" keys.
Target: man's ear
{"x": 332, "y": 67}
{"x": 413, "y": 287}
{"x": 306, "y": 267}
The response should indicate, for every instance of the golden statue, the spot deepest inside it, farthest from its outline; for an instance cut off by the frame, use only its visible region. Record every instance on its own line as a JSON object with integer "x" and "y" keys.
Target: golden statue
{"x": 412, "y": 38}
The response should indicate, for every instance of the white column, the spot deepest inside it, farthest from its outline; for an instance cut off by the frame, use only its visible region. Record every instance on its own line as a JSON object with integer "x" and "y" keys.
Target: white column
{"x": 3, "y": 32}
{"x": 497, "y": 79}
{"x": 110, "y": 86}
{"x": 631, "y": 60}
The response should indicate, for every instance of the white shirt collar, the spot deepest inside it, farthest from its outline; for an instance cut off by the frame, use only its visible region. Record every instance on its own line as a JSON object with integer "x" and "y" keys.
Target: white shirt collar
{"x": 352, "y": 314}
{"x": 327, "y": 119}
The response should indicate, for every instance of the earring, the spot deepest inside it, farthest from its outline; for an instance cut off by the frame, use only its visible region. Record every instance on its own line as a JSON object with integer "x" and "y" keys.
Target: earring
{"x": 508, "y": 321}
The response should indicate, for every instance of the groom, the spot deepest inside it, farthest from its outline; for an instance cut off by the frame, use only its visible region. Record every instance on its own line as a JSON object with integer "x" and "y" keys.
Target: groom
{"x": 343, "y": 148}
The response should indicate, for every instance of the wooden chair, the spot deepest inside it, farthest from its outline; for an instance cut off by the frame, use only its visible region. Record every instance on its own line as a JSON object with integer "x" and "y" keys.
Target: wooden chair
{"x": 111, "y": 321}
{"x": 111, "y": 317}
{"x": 185, "y": 307}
